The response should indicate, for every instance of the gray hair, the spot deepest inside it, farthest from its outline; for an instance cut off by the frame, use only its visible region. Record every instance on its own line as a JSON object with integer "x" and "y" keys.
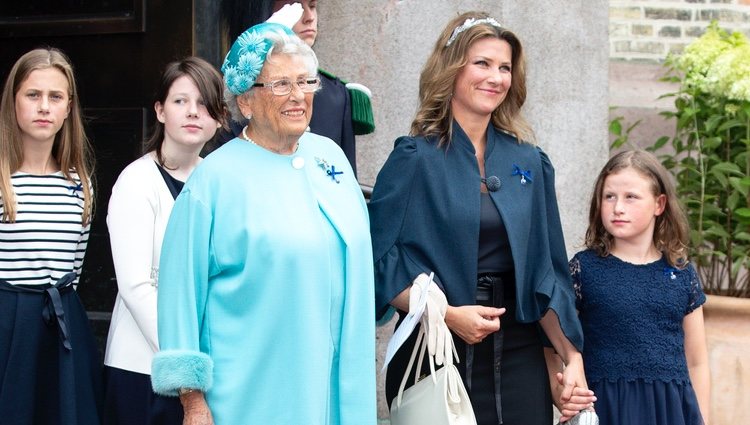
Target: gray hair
{"x": 282, "y": 44}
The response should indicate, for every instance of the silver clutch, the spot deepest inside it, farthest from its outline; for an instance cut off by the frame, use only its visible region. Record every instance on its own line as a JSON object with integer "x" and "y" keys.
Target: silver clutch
{"x": 584, "y": 417}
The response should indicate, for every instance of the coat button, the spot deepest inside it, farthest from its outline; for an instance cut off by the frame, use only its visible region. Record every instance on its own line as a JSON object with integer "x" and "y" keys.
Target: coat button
{"x": 298, "y": 162}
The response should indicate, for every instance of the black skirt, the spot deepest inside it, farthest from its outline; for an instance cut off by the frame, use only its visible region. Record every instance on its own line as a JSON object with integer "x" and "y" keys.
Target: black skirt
{"x": 50, "y": 371}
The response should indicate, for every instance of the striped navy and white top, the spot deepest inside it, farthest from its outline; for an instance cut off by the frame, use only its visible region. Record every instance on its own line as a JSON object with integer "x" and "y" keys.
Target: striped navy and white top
{"x": 47, "y": 239}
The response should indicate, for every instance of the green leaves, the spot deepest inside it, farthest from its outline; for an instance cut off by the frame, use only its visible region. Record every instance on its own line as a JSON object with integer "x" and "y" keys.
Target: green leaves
{"x": 622, "y": 135}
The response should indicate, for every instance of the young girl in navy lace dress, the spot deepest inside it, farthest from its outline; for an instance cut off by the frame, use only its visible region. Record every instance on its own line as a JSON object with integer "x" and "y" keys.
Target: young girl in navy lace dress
{"x": 50, "y": 370}
{"x": 640, "y": 301}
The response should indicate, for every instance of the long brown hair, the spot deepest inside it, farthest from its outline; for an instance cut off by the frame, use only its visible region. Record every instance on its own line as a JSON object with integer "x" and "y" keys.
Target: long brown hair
{"x": 671, "y": 233}
{"x": 438, "y": 77}
{"x": 71, "y": 147}
{"x": 210, "y": 85}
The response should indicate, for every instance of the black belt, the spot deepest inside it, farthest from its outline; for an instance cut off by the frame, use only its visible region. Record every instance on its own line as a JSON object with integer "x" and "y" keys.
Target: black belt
{"x": 490, "y": 288}
{"x": 53, "y": 308}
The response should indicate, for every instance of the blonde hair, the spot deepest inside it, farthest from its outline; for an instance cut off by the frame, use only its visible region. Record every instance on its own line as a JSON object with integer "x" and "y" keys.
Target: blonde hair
{"x": 71, "y": 147}
{"x": 671, "y": 232}
{"x": 437, "y": 80}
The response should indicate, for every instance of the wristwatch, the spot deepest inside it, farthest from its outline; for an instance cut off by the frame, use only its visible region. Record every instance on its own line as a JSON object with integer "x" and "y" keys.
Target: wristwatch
{"x": 183, "y": 391}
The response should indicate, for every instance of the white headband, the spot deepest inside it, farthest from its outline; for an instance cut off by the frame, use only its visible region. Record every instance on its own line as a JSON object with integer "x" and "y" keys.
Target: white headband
{"x": 468, "y": 23}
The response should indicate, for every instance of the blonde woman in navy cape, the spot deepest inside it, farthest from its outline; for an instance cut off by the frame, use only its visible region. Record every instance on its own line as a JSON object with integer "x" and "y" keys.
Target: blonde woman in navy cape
{"x": 189, "y": 108}
{"x": 265, "y": 303}
{"x": 50, "y": 372}
{"x": 466, "y": 197}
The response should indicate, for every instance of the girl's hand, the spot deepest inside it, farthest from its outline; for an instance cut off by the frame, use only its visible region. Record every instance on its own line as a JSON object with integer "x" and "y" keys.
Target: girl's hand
{"x": 473, "y": 322}
{"x": 196, "y": 409}
{"x": 574, "y": 394}
{"x": 581, "y": 399}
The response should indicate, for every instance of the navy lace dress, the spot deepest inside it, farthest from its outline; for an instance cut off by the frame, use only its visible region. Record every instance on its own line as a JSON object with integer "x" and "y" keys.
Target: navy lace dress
{"x": 634, "y": 352}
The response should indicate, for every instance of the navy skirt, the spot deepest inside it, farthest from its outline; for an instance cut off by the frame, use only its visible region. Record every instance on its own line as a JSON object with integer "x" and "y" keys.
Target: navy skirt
{"x": 130, "y": 400}
{"x": 50, "y": 371}
{"x": 625, "y": 402}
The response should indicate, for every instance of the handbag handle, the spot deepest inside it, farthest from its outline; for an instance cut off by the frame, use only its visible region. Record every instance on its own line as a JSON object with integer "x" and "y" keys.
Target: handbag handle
{"x": 431, "y": 320}
{"x": 421, "y": 346}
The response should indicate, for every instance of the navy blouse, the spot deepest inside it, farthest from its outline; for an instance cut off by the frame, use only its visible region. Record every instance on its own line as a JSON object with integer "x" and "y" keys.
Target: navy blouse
{"x": 632, "y": 317}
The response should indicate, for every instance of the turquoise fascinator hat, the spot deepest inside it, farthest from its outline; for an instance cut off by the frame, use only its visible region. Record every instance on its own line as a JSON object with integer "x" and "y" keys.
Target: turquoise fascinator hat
{"x": 247, "y": 55}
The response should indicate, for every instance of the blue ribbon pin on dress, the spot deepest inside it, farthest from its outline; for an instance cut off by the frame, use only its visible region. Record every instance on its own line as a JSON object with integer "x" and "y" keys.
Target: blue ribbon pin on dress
{"x": 329, "y": 169}
{"x": 670, "y": 272}
{"x": 75, "y": 189}
{"x": 525, "y": 175}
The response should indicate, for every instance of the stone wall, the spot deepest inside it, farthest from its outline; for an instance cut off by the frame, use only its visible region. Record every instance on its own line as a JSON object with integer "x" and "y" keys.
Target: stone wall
{"x": 648, "y": 30}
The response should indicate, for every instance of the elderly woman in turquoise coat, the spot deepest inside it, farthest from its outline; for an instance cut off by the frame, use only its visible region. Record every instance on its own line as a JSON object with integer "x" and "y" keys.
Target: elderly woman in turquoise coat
{"x": 265, "y": 302}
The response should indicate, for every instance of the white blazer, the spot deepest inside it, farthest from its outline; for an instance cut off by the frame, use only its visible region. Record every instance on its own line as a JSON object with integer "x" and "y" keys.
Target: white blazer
{"x": 138, "y": 212}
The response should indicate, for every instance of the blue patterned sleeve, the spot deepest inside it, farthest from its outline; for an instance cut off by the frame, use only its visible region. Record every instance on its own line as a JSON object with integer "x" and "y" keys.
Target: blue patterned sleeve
{"x": 697, "y": 297}
{"x": 574, "y": 265}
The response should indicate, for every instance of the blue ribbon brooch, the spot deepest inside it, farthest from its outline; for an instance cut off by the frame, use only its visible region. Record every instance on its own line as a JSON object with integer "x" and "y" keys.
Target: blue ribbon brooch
{"x": 670, "y": 272}
{"x": 75, "y": 189}
{"x": 525, "y": 175}
{"x": 329, "y": 169}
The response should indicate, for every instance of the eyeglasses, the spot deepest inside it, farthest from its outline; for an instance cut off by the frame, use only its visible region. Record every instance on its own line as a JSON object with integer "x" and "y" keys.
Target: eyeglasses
{"x": 283, "y": 86}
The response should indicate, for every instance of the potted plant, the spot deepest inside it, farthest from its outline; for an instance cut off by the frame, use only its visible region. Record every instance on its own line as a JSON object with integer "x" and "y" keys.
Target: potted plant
{"x": 709, "y": 155}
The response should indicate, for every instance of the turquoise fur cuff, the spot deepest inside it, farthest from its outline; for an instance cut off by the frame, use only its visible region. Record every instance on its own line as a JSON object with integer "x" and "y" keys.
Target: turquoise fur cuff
{"x": 175, "y": 369}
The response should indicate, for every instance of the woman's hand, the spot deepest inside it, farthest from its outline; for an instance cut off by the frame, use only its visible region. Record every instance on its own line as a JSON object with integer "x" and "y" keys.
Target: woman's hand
{"x": 574, "y": 394}
{"x": 580, "y": 399}
{"x": 473, "y": 322}
{"x": 196, "y": 409}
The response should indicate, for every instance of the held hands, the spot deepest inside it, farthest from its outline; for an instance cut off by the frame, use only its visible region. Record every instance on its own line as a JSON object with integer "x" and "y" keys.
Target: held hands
{"x": 196, "y": 409}
{"x": 473, "y": 322}
{"x": 571, "y": 394}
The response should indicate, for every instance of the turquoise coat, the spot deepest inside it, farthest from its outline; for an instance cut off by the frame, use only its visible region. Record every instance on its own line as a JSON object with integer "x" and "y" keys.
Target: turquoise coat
{"x": 265, "y": 296}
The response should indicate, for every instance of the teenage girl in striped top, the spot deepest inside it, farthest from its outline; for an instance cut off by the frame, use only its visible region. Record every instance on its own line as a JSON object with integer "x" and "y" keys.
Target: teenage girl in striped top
{"x": 49, "y": 371}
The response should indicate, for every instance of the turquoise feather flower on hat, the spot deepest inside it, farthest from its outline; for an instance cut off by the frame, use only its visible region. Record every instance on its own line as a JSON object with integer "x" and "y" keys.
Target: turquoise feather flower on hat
{"x": 234, "y": 81}
{"x": 251, "y": 42}
{"x": 250, "y": 64}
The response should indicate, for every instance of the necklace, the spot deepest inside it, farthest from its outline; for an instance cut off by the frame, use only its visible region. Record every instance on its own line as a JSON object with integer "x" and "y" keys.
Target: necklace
{"x": 244, "y": 134}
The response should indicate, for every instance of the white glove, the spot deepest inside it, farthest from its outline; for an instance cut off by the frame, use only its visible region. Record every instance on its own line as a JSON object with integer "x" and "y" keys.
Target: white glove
{"x": 439, "y": 339}
{"x": 287, "y": 15}
{"x": 418, "y": 291}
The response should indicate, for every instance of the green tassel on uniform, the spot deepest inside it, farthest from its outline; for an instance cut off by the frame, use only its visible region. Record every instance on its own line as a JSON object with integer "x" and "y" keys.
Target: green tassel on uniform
{"x": 363, "y": 120}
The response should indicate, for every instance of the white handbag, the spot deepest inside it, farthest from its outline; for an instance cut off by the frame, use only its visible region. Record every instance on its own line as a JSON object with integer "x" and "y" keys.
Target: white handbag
{"x": 438, "y": 399}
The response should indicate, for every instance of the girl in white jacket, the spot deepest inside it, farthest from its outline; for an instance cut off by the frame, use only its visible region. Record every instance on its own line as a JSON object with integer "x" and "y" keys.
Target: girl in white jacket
{"x": 189, "y": 108}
